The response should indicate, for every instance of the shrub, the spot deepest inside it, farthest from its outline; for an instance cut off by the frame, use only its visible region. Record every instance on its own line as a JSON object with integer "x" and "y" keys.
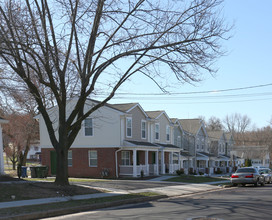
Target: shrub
{"x": 180, "y": 172}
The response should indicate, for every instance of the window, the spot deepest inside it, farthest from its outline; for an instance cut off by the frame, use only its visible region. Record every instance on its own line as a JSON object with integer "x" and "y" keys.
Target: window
{"x": 88, "y": 124}
{"x": 125, "y": 157}
{"x": 157, "y": 131}
{"x": 70, "y": 158}
{"x": 143, "y": 129}
{"x": 129, "y": 127}
{"x": 92, "y": 158}
{"x": 167, "y": 133}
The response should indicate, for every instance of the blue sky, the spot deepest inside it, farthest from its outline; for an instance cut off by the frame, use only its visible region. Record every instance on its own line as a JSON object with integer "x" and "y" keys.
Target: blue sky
{"x": 248, "y": 63}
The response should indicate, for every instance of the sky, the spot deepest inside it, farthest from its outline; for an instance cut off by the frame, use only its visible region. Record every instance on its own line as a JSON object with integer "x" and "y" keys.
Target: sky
{"x": 245, "y": 72}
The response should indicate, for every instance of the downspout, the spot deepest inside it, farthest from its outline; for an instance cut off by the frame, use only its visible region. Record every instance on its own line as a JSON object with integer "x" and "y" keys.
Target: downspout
{"x": 116, "y": 162}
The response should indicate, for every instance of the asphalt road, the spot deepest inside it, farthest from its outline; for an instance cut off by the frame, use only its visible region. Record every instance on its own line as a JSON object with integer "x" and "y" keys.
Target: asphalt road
{"x": 232, "y": 203}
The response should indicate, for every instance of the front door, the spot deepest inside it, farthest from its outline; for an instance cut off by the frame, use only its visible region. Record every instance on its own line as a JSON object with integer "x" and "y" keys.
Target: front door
{"x": 53, "y": 161}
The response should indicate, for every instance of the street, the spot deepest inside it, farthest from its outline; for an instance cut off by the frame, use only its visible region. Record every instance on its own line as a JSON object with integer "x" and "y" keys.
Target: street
{"x": 232, "y": 203}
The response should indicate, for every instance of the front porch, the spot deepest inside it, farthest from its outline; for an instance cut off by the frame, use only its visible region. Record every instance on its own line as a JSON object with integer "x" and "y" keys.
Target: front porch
{"x": 151, "y": 160}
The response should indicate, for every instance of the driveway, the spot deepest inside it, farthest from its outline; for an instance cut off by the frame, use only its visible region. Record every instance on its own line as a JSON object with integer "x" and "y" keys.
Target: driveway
{"x": 161, "y": 187}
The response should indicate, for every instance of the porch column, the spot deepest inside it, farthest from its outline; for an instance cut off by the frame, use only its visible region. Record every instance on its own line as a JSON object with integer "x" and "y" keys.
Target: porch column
{"x": 162, "y": 163}
{"x": 157, "y": 162}
{"x": 146, "y": 163}
{"x": 179, "y": 165}
{"x": 134, "y": 163}
{"x": 1, "y": 153}
{"x": 171, "y": 165}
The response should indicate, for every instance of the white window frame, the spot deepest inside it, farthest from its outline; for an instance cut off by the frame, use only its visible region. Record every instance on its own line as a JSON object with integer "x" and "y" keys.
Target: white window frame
{"x": 70, "y": 158}
{"x": 127, "y": 119}
{"x": 92, "y": 158}
{"x": 125, "y": 156}
{"x": 92, "y": 128}
{"x": 143, "y": 130}
{"x": 168, "y": 133}
{"x": 157, "y": 125}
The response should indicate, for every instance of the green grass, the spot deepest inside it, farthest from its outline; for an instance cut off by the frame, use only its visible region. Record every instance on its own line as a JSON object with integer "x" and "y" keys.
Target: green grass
{"x": 193, "y": 179}
{"x": 71, "y": 204}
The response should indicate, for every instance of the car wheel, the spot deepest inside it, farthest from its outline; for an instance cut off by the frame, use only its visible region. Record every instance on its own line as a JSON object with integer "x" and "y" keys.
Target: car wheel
{"x": 243, "y": 184}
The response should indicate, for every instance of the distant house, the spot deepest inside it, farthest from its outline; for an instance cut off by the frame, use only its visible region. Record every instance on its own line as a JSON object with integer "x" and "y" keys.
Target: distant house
{"x": 219, "y": 148}
{"x": 259, "y": 155}
{"x": 34, "y": 152}
{"x": 2, "y": 121}
{"x": 196, "y": 139}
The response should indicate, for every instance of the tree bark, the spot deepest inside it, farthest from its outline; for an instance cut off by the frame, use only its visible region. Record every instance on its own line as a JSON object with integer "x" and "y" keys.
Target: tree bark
{"x": 62, "y": 167}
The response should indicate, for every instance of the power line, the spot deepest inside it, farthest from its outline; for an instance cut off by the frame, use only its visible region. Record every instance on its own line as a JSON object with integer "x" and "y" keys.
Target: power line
{"x": 215, "y": 96}
{"x": 199, "y": 92}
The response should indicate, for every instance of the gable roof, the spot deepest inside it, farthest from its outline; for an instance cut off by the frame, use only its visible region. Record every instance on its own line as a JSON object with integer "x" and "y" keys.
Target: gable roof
{"x": 191, "y": 125}
{"x": 157, "y": 114}
{"x": 127, "y": 107}
{"x": 154, "y": 114}
{"x": 215, "y": 135}
{"x": 124, "y": 107}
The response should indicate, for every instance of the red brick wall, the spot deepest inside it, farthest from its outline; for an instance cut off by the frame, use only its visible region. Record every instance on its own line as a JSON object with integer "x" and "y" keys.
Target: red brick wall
{"x": 80, "y": 160}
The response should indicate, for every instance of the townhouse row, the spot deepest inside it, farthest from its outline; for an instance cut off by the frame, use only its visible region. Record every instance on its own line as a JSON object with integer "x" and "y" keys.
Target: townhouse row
{"x": 124, "y": 140}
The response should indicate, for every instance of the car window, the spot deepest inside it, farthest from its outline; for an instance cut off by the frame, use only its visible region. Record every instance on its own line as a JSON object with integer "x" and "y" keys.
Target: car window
{"x": 246, "y": 170}
{"x": 264, "y": 171}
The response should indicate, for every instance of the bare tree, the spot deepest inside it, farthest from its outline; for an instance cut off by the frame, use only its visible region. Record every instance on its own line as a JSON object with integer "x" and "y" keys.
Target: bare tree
{"x": 61, "y": 49}
{"x": 214, "y": 124}
{"x": 18, "y": 134}
{"x": 237, "y": 123}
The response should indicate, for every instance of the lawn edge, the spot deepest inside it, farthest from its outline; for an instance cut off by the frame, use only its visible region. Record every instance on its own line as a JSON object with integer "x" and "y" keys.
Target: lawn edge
{"x": 77, "y": 209}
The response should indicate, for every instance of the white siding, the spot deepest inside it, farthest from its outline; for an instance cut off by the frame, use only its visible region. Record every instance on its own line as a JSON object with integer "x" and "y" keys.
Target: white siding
{"x": 106, "y": 123}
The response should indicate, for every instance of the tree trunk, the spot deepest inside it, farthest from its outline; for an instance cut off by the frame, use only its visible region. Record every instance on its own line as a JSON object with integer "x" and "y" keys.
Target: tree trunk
{"x": 62, "y": 167}
{"x": 14, "y": 165}
{"x": 24, "y": 156}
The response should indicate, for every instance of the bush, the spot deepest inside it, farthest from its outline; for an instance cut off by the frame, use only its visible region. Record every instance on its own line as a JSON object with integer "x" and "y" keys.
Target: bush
{"x": 200, "y": 173}
{"x": 218, "y": 172}
{"x": 180, "y": 172}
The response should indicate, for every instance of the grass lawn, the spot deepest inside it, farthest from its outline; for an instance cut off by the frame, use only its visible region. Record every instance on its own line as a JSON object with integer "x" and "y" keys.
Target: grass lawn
{"x": 194, "y": 179}
{"x": 36, "y": 190}
{"x": 71, "y": 204}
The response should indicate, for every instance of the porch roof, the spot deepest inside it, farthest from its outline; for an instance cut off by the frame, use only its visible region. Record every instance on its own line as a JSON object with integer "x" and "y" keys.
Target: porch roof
{"x": 223, "y": 158}
{"x": 168, "y": 145}
{"x": 186, "y": 154}
{"x": 206, "y": 154}
{"x": 141, "y": 143}
{"x": 200, "y": 156}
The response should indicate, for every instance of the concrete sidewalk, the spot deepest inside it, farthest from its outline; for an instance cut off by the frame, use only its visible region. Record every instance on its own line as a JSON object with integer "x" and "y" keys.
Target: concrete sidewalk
{"x": 29, "y": 202}
{"x": 174, "y": 190}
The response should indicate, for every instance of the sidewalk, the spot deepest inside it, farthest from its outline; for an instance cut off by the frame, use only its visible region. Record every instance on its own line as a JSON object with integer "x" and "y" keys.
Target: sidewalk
{"x": 174, "y": 190}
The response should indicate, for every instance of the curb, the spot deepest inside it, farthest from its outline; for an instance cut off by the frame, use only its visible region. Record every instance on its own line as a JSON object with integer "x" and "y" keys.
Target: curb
{"x": 58, "y": 212}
